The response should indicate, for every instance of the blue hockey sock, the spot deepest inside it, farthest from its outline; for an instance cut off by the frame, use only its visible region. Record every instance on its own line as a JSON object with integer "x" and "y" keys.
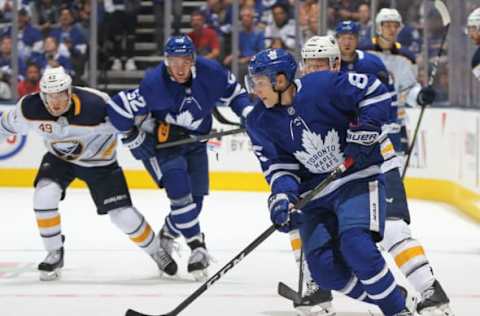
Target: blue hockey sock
{"x": 361, "y": 254}
{"x": 183, "y": 217}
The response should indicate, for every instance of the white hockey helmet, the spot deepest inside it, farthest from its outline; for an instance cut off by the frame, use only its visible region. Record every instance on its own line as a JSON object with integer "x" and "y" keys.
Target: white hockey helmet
{"x": 473, "y": 20}
{"x": 317, "y": 47}
{"x": 386, "y": 15}
{"x": 55, "y": 80}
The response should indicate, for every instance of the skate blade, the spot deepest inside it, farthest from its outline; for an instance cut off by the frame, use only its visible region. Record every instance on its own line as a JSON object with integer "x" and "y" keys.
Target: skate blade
{"x": 324, "y": 309}
{"x": 200, "y": 275}
{"x": 50, "y": 275}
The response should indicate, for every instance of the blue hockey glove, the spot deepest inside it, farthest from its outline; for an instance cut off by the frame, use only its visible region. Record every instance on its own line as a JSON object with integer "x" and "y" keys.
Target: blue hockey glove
{"x": 426, "y": 96}
{"x": 281, "y": 212}
{"x": 361, "y": 142}
{"x": 141, "y": 144}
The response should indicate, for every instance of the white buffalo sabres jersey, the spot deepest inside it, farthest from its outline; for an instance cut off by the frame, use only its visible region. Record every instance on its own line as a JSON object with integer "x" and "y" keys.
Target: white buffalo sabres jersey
{"x": 82, "y": 135}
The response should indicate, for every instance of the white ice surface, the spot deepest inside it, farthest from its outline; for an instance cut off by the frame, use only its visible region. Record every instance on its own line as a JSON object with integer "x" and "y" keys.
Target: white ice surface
{"x": 105, "y": 274}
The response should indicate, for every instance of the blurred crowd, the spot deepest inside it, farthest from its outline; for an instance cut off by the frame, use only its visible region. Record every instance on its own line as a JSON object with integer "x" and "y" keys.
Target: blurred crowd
{"x": 56, "y": 32}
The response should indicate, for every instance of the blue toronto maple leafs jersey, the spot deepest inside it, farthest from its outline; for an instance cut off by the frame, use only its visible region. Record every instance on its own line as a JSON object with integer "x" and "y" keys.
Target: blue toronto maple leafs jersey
{"x": 299, "y": 145}
{"x": 366, "y": 63}
{"x": 187, "y": 105}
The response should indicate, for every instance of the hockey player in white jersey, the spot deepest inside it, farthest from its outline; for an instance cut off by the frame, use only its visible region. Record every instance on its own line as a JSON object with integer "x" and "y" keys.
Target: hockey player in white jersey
{"x": 473, "y": 28}
{"x": 406, "y": 251}
{"x": 401, "y": 65}
{"x": 81, "y": 143}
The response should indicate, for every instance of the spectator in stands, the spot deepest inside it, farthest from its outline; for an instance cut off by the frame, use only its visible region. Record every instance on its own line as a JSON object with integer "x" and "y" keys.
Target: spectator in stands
{"x": 218, "y": 15}
{"x": 6, "y": 60}
{"x": 6, "y": 7}
{"x": 31, "y": 83}
{"x": 69, "y": 34}
{"x": 204, "y": 38}
{"x": 121, "y": 23}
{"x": 45, "y": 14}
{"x": 345, "y": 10}
{"x": 251, "y": 41}
{"x": 51, "y": 57}
{"x": 282, "y": 27}
{"x": 29, "y": 37}
{"x": 365, "y": 23}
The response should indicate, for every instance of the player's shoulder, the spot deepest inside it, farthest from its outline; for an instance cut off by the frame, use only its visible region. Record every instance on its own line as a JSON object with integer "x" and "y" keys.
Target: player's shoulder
{"x": 405, "y": 52}
{"x": 208, "y": 66}
{"x": 89, "y": 106}
{"x": 155, "y": 75}
{"x": 33, "y": 109}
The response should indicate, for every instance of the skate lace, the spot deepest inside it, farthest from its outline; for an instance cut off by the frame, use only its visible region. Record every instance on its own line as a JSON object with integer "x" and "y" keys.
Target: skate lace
{"x": 53, "y": 257}
{"x": 162, "y": 258}
{"x": 200, "y": 255}
{"x": 311, "y": 286}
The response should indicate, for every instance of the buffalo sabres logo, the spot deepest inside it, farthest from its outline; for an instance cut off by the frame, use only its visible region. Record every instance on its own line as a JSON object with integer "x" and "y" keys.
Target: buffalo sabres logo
{"x": 320, "y": 155}
{"x": 68, "y": 150}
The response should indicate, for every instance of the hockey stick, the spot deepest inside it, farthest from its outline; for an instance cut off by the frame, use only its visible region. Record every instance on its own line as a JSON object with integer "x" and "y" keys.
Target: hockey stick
{"x": 200, "y": 138}
{"x": 442, "y": 9}
{"x": 222, "y": 119}
{"x": 254, "y": 244}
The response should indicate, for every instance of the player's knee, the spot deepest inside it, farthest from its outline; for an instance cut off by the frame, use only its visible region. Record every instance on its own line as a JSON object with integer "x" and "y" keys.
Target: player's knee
{"x": 358, "y": 248}
{"x": 396, "y": 231}
{"x": 47, "y": 195}
{"x": 321, "y": 264}
{"x": 127, "y": 219}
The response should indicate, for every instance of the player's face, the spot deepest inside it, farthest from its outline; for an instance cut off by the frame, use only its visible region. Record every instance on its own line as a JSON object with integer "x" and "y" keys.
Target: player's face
{"x": 180, "y": 67}
{"x": 262, "y": 88}
{"x": 315, "y": 64}
{"x": 348, "y": 44}
{"x": 390, "y": 30}
{"x": 474, "y": 34}
{"x": 57, "y": 103}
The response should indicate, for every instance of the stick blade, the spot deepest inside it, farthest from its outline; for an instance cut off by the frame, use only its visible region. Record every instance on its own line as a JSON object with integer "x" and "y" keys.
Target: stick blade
{"x": 442, "y": 9}
{"x": 288, "y": 293}
{"x": 131, "y": 312}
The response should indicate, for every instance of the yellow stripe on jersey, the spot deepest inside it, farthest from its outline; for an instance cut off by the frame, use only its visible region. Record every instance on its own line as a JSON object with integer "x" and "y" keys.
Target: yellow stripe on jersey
{"x": 388, "y": 149}
{"x": 107, "y": 153}
{"x": 143, "y": 236}
{"x": 77, "y": 104}
{"x": 49, "y": 222}
{"x": 408, "y": 254}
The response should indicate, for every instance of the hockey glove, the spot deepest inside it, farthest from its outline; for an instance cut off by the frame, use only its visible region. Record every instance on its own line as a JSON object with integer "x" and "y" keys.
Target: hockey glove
{"x": 169, "y": 133}
{"x": 141, "y": 144}
{"x": 426, "y": 96}
{"x": 361, "y": 142}
{"x": 282, "y": 213}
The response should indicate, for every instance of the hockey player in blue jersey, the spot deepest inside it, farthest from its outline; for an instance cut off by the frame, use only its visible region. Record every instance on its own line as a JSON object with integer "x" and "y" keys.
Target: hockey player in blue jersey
{"x": 302, "y": 130}
{"x": 406, "y": 251}
{"x": 81, "y": 143}
{"x": 175, "y": 100}
{"x": 473, "y": 28}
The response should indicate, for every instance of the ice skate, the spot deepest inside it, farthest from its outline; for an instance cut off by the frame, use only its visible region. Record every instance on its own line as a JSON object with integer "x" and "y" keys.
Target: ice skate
{"x": 168, "y": 242}
{"x": 165, "y": 262}
{"x": 50, "y": 267}
{"x": 435, "y": 302}
{"x": 316, "y": 302}
{"x": 199, "y": 259}
{"x": 410, "y": 303}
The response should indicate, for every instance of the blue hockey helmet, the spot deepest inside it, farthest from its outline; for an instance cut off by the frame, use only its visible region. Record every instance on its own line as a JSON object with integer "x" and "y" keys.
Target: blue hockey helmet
{"x": 345, "y": 27}
{"x": 272, "y": 62}
{"x": 179, "y": 46}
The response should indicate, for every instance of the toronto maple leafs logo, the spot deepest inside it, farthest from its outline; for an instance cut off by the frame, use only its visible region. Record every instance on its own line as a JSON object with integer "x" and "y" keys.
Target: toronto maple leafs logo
{"x": 184, "y": 119}
{"x": 320, "y": 156}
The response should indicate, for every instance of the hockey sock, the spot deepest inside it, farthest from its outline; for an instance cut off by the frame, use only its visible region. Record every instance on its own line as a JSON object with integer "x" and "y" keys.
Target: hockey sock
{"x": 183, "y": 217}
{"x": 45, "y": 202}
{"x": 367, "y": 263}
{"x": 408, "y": 254}
{"x": 134, "y": 225}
